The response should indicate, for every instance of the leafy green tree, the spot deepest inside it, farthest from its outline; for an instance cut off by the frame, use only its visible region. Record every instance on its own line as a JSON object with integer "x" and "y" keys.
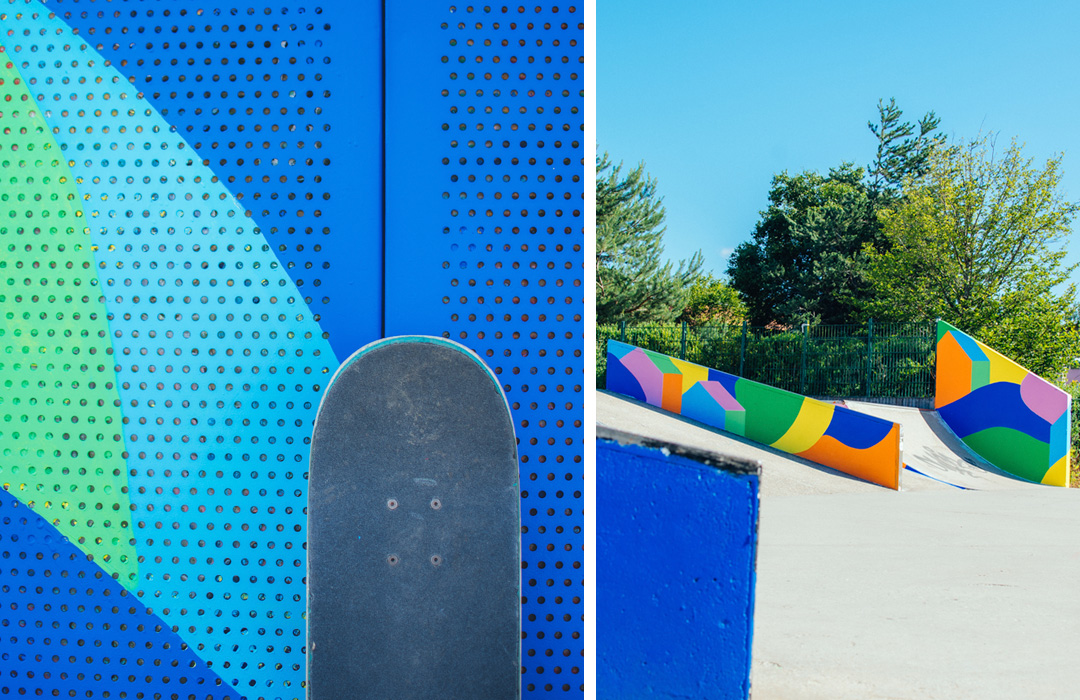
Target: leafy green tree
{"x": 712, "y": 301}
{"x": 808, "y": 258}
{"x": 980, "y": 241}
{"x": 632, "y": 282}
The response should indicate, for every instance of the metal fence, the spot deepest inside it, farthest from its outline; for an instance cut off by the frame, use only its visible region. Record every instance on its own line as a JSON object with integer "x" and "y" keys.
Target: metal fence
{"x": 889, "y": 362}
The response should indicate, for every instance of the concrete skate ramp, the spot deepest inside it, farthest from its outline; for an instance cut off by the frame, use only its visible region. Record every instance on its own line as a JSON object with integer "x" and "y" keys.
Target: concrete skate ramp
{"x": 783, "y": 474}
{"x": 934, "y": 451}
{"x": 940, "y": 461}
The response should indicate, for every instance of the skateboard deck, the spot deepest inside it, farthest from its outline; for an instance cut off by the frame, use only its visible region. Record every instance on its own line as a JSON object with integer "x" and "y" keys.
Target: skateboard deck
{"x": 414, "y": 545}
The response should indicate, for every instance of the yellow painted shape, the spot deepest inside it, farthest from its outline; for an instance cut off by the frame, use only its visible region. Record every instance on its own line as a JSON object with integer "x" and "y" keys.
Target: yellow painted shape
{"x": 1002, "y": 369}
{"x": 691, "y": 373}
{"x": 1058, "y": 475}
{"x": 811, "y": 423}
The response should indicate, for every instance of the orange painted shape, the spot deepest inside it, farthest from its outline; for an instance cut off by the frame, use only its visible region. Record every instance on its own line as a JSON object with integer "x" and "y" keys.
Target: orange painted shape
{"x": 953, "y": 372}
{"x": 671, "y": 399}
{"x": 879, "y": 464}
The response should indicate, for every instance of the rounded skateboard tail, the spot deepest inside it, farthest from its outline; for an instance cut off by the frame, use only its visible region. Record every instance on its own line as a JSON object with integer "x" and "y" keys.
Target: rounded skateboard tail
{"x": 414, "y": 554}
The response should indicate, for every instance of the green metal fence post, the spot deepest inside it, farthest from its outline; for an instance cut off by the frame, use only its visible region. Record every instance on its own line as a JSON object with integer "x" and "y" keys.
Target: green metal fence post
{"x": 742, "y": 349}
{"x": 802, "y": 365}
{"x": 682, "y": 343}
{"x": 622, "y": 331}
{"x": 869, "y": 355}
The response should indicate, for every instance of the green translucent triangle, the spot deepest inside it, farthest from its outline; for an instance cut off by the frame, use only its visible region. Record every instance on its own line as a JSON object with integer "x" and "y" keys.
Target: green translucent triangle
{"x": 61, "y": 430}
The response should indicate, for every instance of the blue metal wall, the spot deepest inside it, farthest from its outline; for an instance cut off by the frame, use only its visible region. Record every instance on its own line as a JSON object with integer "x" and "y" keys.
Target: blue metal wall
{"x": 229, "y": 199}
{"x": 676, "y": 547}
{"x": 484, "y": 218}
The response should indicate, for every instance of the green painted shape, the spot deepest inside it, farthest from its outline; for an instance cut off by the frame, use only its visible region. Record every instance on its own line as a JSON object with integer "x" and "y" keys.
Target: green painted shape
{"x": 769, "y": 411}
{"x": 980, "y": 374}
{"x": 735, "y": 422}
{"x": 943, "y": 328}
{"x": 61, "y": 428}
{"x": 663, "y": 362}
{"x": 1012, "y": 451}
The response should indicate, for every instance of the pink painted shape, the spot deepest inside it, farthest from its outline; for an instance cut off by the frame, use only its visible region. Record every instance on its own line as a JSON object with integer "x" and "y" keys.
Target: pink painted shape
{"x": 648, "y": 375}
{"x": 721, "y": 395}
{"x": 1044, "y": 399}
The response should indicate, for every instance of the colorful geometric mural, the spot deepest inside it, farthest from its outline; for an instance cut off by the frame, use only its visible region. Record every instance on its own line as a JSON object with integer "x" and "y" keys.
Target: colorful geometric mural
{"x": 835, "y": 436}
{"x": 153, "y": 343}
{"x": 192, "y": 232}
{"x": 1014, "y": 419}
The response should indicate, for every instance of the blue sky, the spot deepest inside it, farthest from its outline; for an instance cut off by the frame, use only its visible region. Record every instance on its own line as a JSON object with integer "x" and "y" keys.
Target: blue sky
{"x": 717, "y": 96}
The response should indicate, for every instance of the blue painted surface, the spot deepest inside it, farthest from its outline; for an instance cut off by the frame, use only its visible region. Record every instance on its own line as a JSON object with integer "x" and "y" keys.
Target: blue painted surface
{"x": 1059, "y": 435}
{"x": 857, "y": 430}
{"x": 484, "y": 158}
{"x": 619, "y": 378}
{"x": 676, "y": 548}
{"x": 970, "y": 347}
{"x": 698, "y": 404}
{"x": 728, "y": 381}
{"x": 74, "y": 631}
{"x": 619, "y": 350}
{"x": 314, "y": 191}
{"x": 991, "y": 406}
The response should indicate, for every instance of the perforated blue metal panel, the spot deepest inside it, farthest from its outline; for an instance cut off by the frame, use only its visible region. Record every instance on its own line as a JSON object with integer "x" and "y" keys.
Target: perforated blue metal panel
{"x": 192, "y": 230}
{"x": 484, "y": 234}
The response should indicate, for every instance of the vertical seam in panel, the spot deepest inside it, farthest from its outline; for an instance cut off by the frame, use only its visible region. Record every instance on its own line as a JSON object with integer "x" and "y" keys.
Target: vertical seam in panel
{"x": 382, "y": 166}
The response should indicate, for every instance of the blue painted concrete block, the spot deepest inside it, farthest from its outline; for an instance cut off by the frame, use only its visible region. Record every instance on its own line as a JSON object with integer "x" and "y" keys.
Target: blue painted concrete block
{"x": 676, "y": 549}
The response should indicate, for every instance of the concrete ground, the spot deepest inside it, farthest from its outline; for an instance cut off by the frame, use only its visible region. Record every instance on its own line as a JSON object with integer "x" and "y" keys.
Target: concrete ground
{"x": 932, "y": 592}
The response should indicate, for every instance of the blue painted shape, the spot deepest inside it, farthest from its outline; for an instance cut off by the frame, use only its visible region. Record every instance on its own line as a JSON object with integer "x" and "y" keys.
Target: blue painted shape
{"x": 439, "y": 234}
{"x": 726, "y": 380}
{"x": 81, "y": 633}
{"x": 698, "y": 404}
{"x": 969, "y": 346}
{"x": 857, "y": 430}
{"x": 676, "y": 545}
{"x": 947, "y": 483}
{"x": 326, "y": 68}
{"x": 1059, "y": 435}
{"x": 992, "y": 406}
{"x": 621, "y": 380}
{"x": 619, "y": 349}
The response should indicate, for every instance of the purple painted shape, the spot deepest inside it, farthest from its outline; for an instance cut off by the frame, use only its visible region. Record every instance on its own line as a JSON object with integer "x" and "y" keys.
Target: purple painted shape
{"x": 721, "y": 395}
{"x": 1044, "y": 399}
{"x": 648, "y": 375}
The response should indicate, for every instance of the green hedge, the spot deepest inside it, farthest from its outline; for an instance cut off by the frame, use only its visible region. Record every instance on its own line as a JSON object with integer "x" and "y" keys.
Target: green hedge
{"x": 832, "y": 361}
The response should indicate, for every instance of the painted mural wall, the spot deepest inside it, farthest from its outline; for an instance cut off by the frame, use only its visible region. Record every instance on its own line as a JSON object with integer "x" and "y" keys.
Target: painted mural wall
{"x": 835, "y": 436}
{"x": 676, "y": 546}
{"x": 1014, "y": 419}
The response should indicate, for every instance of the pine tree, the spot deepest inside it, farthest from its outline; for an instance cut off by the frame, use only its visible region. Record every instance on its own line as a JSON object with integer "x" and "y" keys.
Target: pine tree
{"x": 900, "y": 154}
{"x": 632, "y": 284}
